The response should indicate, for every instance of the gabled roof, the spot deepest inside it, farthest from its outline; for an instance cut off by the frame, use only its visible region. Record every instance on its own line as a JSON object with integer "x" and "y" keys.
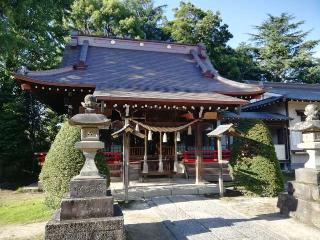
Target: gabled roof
{"x": 132, "y": 68}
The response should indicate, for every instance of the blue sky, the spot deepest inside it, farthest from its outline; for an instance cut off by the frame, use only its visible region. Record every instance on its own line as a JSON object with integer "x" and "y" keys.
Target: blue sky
{"x": 241, "y": 15}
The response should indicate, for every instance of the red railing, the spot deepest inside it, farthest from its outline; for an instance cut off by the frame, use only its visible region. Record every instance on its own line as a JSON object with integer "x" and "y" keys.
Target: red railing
{"x": 115, "y": 158}
{"x": 41, "y": 157}
{"x": 189, "y": 157}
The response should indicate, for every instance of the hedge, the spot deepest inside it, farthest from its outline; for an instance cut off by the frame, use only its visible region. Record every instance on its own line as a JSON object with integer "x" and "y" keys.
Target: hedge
{"x": 253, "y": 162}
{"x": 63, "y": 162}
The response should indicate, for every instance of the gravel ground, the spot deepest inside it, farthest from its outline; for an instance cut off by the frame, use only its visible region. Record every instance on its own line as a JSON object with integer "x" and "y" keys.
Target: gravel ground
{"x": 22, "y": 231}
{"x": 198, "y": 217}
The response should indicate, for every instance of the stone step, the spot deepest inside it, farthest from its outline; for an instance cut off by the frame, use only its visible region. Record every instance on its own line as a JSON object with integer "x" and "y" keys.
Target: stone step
{"x": 147, "y": 192}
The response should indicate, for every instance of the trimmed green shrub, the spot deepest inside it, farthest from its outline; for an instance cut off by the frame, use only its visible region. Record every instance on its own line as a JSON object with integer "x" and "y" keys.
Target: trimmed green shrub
{"x": 253, "y": 162}
{"x": 63, "y": 162}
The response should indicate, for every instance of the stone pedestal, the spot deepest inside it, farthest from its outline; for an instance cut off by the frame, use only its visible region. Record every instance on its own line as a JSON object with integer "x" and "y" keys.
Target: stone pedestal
{"x": 88, "y": 213}
{"x": 303, "y": 198}
{"x": 107, "y": 228}
{"x": 304, "y": 203}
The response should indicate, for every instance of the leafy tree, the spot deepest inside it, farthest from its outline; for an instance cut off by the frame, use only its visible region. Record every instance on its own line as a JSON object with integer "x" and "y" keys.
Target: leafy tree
{"x": 150, "y": 17}
{"x": 15, "y": 147}
{"x": 194, "y": 25}
{"x": 31, "y": 34}
{"x": 283, "y": 52}
{"x": 247, "y": 67}
{"x": 117, "y": 18}
{"x": 253, "y": 162}
{"x": 63, "y": 162}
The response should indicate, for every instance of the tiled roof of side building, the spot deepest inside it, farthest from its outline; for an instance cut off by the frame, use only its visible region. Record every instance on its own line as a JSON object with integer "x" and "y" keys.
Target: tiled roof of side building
{"x": 111, "y": 65}
{"x": 262, "y": 103}
{"x": 293, "y": 91}
{"x": 254, "y": 115}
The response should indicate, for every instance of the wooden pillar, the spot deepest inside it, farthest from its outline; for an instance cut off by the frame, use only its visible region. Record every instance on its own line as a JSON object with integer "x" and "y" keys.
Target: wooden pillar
{"x": 126, "y": 164}
{"x": 160, "y": 154}
{"x": 221, "y": 189}
{"x": 145, "y": 163}
{"x": 219, "y": 148}
{"x": 175, "y": 165}
{"x": 102, "y": 107}
{"x": 199, "y": 157}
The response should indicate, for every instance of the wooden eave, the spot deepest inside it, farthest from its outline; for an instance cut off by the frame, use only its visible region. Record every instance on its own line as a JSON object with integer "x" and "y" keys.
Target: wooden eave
{"x": 26, "y": 79}
{"x": 238, "y": 94}
{"x": 178, "y": 102}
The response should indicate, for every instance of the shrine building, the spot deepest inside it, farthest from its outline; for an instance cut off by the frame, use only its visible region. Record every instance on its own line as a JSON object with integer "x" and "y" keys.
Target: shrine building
{"x": 166, "y": 96}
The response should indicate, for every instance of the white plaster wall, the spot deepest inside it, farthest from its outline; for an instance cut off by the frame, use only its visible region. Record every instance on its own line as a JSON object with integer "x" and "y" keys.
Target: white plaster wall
{"x": 297, "y": 159}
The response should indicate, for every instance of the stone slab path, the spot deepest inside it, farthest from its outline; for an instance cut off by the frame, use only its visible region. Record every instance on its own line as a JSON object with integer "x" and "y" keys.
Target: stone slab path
{"x": 198, "y": 217}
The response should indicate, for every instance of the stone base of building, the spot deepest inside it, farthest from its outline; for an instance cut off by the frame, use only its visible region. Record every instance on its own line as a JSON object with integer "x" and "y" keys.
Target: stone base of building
{"x": 106, "y": 228}
{"x": 302, "y": 201}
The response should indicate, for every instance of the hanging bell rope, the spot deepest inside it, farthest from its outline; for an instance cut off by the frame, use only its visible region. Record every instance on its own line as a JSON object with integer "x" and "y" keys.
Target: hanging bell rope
{"x": 164, "y": 129}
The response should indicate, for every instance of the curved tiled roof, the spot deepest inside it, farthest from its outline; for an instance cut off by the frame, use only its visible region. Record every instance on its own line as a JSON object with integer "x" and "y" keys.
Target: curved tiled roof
{"x": 170, "y": 69}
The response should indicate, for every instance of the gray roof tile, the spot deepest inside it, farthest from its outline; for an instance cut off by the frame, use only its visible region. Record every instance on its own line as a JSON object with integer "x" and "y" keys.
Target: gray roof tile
{"x": 141, "y": 72}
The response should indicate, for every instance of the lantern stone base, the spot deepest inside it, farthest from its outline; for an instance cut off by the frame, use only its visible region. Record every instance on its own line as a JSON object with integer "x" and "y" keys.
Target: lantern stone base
{"x": 88, "y": 186}
{"x": 81, "y": 208}
{"x": 304, "y": 203}
{"x": 110, "y": 228}
{"x": 88, "y": 213}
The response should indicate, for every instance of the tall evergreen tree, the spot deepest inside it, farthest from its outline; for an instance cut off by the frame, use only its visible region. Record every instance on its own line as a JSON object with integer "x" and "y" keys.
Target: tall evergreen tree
{"x": 283, "y": 52}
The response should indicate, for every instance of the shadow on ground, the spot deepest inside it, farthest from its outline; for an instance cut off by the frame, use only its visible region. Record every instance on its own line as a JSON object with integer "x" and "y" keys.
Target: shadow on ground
{"x": 181, "y": 229}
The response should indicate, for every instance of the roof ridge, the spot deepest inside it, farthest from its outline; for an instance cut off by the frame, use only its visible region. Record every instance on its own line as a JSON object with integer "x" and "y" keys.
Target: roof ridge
{"x": 132, "y": 44}
{"x": 134, "y": 40}
{"x": 281, "y": 84}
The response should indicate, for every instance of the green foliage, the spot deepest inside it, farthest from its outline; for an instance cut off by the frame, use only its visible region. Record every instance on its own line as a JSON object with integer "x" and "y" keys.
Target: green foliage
{"x": 63, "y": 162}
{"x": 16, "y": 157}
{"x": 194, "y": 25}
{"x": 283, "y": 53}
{"x": 246, "y": 68}
{"x": 117, "y": 18}
{"x": 253, "y": 163}
{"x": 31, "y": 34}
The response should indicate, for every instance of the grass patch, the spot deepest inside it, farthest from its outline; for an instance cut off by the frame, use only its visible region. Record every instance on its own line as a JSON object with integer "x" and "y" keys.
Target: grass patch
{"x": 22, "y": 208}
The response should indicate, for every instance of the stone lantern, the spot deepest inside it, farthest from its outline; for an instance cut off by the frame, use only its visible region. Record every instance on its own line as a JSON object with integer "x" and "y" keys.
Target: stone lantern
{"x": 88, "y": 213}
{"x": 303, "y": 198}
{"x": 311, "y": 136}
